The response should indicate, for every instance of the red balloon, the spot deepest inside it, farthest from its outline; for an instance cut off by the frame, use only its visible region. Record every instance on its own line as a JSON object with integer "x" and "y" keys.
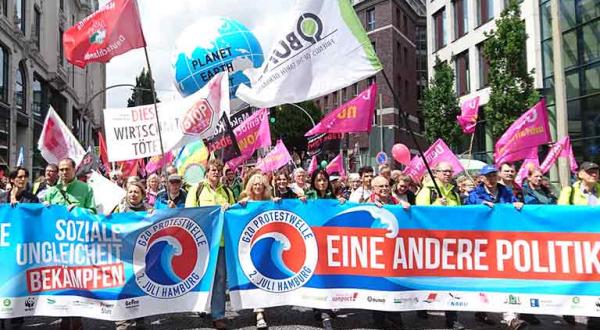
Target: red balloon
{"x": 401, "y": 153}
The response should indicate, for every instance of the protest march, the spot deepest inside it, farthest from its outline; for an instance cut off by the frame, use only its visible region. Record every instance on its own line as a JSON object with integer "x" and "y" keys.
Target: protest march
{"x": 194, "y": 205}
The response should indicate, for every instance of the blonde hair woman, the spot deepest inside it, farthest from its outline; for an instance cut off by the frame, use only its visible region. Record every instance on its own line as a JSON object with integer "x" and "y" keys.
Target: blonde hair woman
{"x": 257, "y": 189}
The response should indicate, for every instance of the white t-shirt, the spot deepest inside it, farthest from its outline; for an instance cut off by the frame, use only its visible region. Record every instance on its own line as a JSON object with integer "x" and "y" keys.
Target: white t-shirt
{"x": 360, "y": 195}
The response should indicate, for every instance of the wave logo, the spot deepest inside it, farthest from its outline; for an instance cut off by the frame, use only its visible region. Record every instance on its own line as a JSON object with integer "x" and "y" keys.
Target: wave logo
{"x": 170, "y": 257}
{"x": 278, "y": 251}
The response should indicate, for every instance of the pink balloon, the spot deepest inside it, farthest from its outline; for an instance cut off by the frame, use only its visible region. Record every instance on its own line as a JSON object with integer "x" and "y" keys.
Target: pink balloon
{"x": 401, "y": 153}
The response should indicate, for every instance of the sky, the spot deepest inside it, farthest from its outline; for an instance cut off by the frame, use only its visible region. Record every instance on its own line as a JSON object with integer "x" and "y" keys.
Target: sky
{"x": 163, "y": 21}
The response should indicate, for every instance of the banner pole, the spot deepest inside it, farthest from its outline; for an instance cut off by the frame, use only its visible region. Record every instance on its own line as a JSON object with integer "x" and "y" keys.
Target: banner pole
{"x": 162, "y": 149}
{"x": 412, "y": 134}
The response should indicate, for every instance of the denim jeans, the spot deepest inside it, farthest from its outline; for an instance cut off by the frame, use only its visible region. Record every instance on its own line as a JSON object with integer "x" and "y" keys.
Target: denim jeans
{"x": 217, "y": 305}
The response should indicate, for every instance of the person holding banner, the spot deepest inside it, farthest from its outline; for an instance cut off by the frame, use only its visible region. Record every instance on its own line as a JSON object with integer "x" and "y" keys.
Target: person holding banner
{"x": 322, "y": 187}
{"x": 153, "y": 183}
{"x": 18, "y": 192}
{"x": 135, "y": 201}
{"x": 233, "y": 182}
{"x": 382, "y": 193}
{"x": 299, "y": 186}
{"x": 70, "y": 192}
{"x": 490, "y": 191}
{"x": 507, "y": 178}
{"x": 450, "y": 197}
{"x": 534, "y": 191}
{"x": 282, "y": 189}
{"x": 257, "y": 189}
{"x": 210, "y": 192}
{"x": 586, "y": 191}
{"x": 401, "y": 190}
{"x": 173, "y": 196}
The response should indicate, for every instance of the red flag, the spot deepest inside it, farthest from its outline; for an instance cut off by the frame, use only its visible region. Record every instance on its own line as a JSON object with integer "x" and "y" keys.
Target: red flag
{"x": 336, "y": 165}
{"x": 111, "y": 31}
{"x": 102, "y": 151}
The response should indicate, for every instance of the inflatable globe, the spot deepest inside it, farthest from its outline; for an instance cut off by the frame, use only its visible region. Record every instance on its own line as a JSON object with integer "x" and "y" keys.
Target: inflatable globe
{"x": 210, "y": 46}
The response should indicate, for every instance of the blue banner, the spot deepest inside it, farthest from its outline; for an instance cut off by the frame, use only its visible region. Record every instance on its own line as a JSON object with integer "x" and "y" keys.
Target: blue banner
{"x": 542, "y": 259}
{"x": 123, "y": 266}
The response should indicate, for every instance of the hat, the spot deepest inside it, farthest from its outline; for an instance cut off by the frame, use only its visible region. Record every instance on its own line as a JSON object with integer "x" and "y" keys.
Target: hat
{"x": 589, "y": 166}
{"x": 488, "y": 169}
{"x": 334, "y": 177}
{"x": 175, "y": 177}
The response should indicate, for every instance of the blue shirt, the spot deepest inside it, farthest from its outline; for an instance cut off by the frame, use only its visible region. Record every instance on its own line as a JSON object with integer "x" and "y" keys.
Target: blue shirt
{"x": 480, "y": 194}
{"x": 162, "y": 200}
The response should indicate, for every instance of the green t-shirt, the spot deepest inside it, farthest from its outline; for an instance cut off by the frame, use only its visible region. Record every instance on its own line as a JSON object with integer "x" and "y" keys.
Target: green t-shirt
{"x": 75, "y": 193}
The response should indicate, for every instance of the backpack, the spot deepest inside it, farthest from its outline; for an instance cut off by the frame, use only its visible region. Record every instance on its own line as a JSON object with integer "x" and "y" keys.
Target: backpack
{"x": 228, "y": 191}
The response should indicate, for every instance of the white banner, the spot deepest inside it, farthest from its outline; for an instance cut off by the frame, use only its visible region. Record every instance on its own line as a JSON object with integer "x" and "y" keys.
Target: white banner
{"x": 321, "y": 48}
{"x": 57, "y": 142}
{"x": 132, "y": 133}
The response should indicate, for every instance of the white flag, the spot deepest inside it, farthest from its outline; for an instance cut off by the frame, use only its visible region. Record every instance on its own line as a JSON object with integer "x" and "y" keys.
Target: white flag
{"x": 57, "y": 142}
{"x": 321, "y": 48}
{"x": 107, "y": 194}
{"x": 132, "y": 133}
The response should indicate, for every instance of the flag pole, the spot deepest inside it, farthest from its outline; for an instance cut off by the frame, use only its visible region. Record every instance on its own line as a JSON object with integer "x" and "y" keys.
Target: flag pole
{"x": 162, "y": 149}
{"x": 412, "y": 134}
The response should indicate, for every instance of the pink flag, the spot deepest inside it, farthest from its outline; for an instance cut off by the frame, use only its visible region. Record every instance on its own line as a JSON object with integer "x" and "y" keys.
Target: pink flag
{"x": 353, "y": 116}
{"x": 157, "y": 162}
{"x": 532, "y": 161}
{"x": 251, "y": 134}
{"x": 468, "y": 115}
{"x": 336, "y": 165}
{"x": 437, "y": 153}
{"x": 562, "y": 148}
{"x": 275, "y": 159}
{"x": 527, "y": 132}
{"x": 313, "y": 165}
{"x": 57, "y": 142}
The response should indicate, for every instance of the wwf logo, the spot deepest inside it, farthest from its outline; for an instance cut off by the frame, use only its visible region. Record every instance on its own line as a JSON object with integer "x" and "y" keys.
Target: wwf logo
{"x": 30, "y": 303}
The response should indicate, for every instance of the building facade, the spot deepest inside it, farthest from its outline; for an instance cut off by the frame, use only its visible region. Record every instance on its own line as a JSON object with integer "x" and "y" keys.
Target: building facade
{"x": 456, "y": 32}
{"x": 580, "y": 26}
{"x": 36, "y": 76}
{"x": 396, "y": 29}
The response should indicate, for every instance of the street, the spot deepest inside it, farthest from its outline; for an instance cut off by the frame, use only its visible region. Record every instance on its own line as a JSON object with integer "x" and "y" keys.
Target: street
{"x": 301, "y": 318}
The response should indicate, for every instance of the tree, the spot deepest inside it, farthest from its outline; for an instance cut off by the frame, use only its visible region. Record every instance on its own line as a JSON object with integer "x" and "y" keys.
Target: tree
{"x": 440, "y": 106}
{"x": 290, "y": 123}
{"x": 512, "y": 91}
{"x": 142, "y": 94}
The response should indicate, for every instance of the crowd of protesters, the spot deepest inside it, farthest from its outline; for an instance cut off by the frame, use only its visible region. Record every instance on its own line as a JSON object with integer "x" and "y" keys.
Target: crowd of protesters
{"x": 224, "y": 187}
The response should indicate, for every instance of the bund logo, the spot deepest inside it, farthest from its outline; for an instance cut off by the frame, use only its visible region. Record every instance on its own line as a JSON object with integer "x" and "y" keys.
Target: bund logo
{"x": 278, "y": 251}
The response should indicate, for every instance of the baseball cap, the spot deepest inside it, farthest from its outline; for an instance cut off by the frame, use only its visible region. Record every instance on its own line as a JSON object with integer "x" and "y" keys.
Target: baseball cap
{"x": 175, "y": 177}
{"x": 589, "y": 166}
{"x": 488, "y": 169}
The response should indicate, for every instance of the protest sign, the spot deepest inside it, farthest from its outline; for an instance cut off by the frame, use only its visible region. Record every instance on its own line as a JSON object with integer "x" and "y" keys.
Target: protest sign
{"x": 125, "y": 266}
{"x": 251, "y": 134}
{"x": 275, "y": 159}
{"x": 132, "y": 133}
{"x": 324, "y": 142}
{"x": 428, "y": 258}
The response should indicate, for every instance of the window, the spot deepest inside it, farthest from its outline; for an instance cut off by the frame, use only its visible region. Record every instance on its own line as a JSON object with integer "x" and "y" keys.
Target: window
{"x": 439, "y": 29}
{"x": 38, "y": 27}
{"x": 406, "y": 91}
{"x": 371, "y": 19}
{"x": 20, "y": 6}
{"x": 326, "y": 102}
{"x": 61, "y": 50}
{"x": 62, "y": 4}
{"x": 4, "y": 7}
{"x": 3, "y": 74}
{"x": 485, "y": 9}
{"x": 462, "y": 73}
{"x": 405, "y": 54}
{"x": 374, "y": 44}
{"x": 461, "y": 22}
{"x": 484, "y": 68}
{"x": 355, "y": 89}
{"x": 335, "y": 98}
{"x": 405, "y": 25}
{"x": 344, "y": 95}
{"x": 36, "y": 104}
{"x": 371, "y": 80}
{"x": 20, "y": 88}
{"x": 4, "y": 140}
{"x": 399, "y": 52}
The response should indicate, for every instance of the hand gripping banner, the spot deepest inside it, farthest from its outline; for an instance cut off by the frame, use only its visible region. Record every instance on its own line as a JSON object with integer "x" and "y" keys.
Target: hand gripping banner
{"x": 469, "y": 258}
{"x": 123, "y": 266}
